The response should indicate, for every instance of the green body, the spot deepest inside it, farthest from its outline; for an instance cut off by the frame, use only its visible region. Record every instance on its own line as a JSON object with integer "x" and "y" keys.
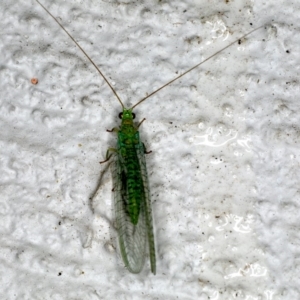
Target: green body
{"x": 131, "y": 176}
{"x": 132, "y": 201}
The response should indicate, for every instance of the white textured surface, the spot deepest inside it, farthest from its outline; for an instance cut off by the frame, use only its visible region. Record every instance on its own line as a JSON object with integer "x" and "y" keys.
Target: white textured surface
{"x": 224, "y": 172}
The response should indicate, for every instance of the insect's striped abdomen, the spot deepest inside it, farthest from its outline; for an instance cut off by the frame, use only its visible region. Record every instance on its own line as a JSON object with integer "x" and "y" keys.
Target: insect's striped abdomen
{"x": 132, "y": 182}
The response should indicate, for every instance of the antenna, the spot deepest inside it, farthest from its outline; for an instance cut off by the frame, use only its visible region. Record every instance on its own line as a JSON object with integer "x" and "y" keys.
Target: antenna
{"x": 196, "y": 66}
{"x": 65, "y": 30}
{"x": 163, "y": 86}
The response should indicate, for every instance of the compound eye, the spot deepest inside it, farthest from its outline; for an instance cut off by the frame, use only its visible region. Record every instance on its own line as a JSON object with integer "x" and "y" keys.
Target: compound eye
{"x": 120, "y": 115}
{"x": 133, "y": 115}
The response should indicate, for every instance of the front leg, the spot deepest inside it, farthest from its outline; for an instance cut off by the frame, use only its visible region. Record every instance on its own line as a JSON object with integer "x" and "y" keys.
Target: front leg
{"x": 141, "y": 123}
{"x": 145, "y": 150}
{"x": 113, "y": 130}
{"x": 108, "y": 156}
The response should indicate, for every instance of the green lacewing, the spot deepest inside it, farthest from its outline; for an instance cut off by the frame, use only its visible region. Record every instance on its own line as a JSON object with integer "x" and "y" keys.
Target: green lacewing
{"x": 130, "y": 180}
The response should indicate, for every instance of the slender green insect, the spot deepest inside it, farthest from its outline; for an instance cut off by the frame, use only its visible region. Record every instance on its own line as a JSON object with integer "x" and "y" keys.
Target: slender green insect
{"x": 131, "y": 191}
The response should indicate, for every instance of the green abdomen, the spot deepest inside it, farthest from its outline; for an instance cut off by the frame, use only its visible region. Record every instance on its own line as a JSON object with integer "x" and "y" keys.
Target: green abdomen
{"x": 132, "y": 183}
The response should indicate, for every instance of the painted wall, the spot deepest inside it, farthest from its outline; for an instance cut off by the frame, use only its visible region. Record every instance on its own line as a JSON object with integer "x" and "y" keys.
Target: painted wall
{"x": 224, "y": 171}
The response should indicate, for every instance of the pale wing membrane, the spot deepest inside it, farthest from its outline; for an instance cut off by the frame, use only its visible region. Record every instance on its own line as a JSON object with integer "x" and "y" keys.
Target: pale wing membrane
{"x": 132, "y": 238}
{"x": 148, "y": 209}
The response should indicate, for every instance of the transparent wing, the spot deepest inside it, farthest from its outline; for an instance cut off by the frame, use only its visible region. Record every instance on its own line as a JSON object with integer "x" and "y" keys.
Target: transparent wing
{"x": 132, "y": 238}
{"x": 148, "y": 208}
